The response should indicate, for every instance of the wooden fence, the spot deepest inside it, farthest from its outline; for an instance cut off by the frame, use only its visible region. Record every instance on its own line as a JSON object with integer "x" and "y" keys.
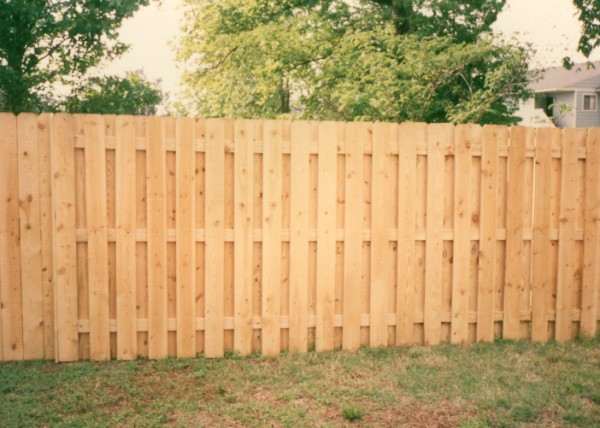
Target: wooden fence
{"x": 126, "y": 236}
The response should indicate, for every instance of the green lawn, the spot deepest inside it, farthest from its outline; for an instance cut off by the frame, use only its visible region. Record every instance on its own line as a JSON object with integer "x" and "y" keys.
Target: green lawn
{"x": 500, "y": 384}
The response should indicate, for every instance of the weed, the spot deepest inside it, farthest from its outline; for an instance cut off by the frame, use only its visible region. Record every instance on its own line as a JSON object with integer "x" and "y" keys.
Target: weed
{"x": 352, "y": 413}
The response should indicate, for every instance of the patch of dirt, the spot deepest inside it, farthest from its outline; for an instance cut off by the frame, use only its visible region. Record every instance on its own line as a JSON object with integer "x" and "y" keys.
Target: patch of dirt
{"x": 203, "y": 419}
{"x": 444, "y": 414}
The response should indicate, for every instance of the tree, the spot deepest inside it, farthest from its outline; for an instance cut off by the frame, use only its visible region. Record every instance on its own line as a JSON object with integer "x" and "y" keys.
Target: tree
{"x": 43, "y": 41}
{"x": 376, "y": 60}
{"x": 463, "y": 20}
{"x": 589, "y": 16}
{"x": 133, "y": 94}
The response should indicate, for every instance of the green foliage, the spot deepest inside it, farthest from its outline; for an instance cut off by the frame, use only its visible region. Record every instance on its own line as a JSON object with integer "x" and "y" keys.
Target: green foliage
{"x": 589, "y": 16}
{"x": 378, "y": 60}
{"x": 462, "y": 20}
{"x": 44, "y": 41}
{"x": 353, "y": 413}
{"x": 133, "y": 94}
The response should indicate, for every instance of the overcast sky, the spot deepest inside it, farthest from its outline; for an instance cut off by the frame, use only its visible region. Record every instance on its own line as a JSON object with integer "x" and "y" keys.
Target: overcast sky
{"x": 550, "y": 25}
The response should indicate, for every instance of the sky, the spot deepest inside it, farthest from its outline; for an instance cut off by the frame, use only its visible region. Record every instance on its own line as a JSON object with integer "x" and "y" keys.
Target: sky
{"x": 551, "y": 26}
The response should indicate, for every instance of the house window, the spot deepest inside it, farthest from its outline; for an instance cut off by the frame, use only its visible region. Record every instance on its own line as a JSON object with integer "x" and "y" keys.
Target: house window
{"x": 589, "y": 102}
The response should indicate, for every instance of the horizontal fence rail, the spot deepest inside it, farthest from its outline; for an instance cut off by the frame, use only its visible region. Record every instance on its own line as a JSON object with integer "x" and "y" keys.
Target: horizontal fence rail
{"x": 127, "y": 236}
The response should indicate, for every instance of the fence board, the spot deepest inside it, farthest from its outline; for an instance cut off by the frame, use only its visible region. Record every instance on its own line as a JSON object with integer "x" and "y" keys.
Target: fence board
{"x": 409, "y": 137}
{"x": 257, "y": 249}
{"x": 30, "y": 237}
{"x": 63, "y": 238}
{"x": 299, "y": 212}
{"x": 126, "y": 182}
{"x": 95, "y": 189}
{"x": 141, "y": 250}
{"x": 186, "y": 240}
{"x": 567, "y": 269}
{"x": 487, "y": 240}
{"x": 111, "y": 217}
{"x": 10, "y": 257}
{"x": 214, "y": 242}
{"x": 245, "y": 136}
{"x": 271, "y": 241}
{"x": 171, "y": 195}
{"x": 591, "y": 266}
{"x": 199, "y": 129}
{"x": 380, "y": 225}
{"x": 157, "y": 239}
{"x": 515, "y": 248}
{"x": 541, "y": 239}
{"x": 366, "y": 135}
{"x": 353, "y": 224}
{"x": 326, "y": 235}
{"x": 229, "y": 224}
{"x": 438, "y": 137}
{"x": 466, "y": 137}
{"x": 44, "y": 137}
{"x": 83, "y": 312}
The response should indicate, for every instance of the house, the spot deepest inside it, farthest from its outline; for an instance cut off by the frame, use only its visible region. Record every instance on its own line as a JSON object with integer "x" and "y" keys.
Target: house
{"x": 568, "y": 97}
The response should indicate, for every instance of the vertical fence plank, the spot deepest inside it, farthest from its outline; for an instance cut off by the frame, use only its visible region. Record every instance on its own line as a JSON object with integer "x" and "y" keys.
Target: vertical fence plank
{"x": 567, "y": 269}
{"x": 326, "y": 235}
{"x": 199, "y": 131}
{"x": 438, "y": 138}
{"x": 63, "y": 238}
{"x": 380, "y": 233}
{"x": 10, "y": 257}
{"x": 95, "y": 190}
{"x": 125, "y": 154}
{"x": 271, "y": 249}
{"x": 487, "y": 235}
{"x": 245, "y": 137}
{"x": 141, "y": 222}
{"x": 410, "y": 135}
{"x": 229, "y": 223}
{"x": 44, "y": 137}
{"x": 171, "y": 178}
{"x": 186, "y": 238}
{"x": 353, "y": 224}
{"x": 312, "y": 200}
{"x": 215, "y": 238}
{"x": 591, "y": 233}
{"x": 256, "y": 287}
{"x": 157, "y": 238}
{"x": 286, "y": 190}
{"x": 299, "y": 211}
{"x": 366, "y": 136}
{"x": 111, "y": 197}
{"x": 528, "y": 213}
{"x": 515, "y": 247}
{"x": 466, "y": 136}
{"x": 541, "y": 234}
{"x": 30, "y": 237}
{"x": 83, "y": 312}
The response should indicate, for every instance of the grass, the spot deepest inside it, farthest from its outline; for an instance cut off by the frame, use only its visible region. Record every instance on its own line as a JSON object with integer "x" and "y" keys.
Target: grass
{"x": 352, "y": 413}
{"x": 503, "y": 384}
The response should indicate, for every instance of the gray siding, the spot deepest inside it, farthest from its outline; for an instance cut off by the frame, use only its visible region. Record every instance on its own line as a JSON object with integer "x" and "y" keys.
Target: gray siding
{"x": 566, "y": 120}
{"x": 593, "y": 83}
{"x": 587, "y": 119}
